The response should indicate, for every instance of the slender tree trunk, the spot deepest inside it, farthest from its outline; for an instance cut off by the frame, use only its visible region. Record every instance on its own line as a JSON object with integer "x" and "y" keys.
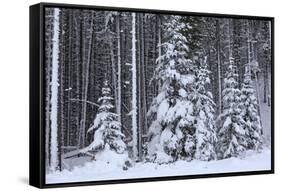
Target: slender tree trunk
{"x": 249, "y": 44}
{"x": 229, "y": 40}
{"x": 266, "y": 63}
{"x": 81, "y": 80}
{"x": 47, "y": 143}
{"x": 84, "y": 106}
{"x": 113, "y": 70}
{"x": 219, "y": 66}
{"x": 265, "y": 80}
{"x": 77, "y": 74}
{"x": 268, "y": 90}
{"x": 134, "y": 89}
{"x": 143, "y": 89}
{"x": 118, "y": 104}
{"x": 48, "y": 135}
{"x": 61, "y": 94}
{"x": 258, "y": 97}
{"x": 139, "y": 72}
{"x": 250, "y": 59}
{"x": 47, "y": 112}
{"x": 69, "y": 88}
{"x": 54, "y": 92}
{"x": 155, "y": 90}
{"x": 159, "y": 48}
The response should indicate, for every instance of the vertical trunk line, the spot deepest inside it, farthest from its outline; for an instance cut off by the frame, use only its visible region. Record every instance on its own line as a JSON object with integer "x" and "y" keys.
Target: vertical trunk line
{"x": 54, "y": 92}
{"x": 134, "y": 87}
{"x": 84, "y": 107}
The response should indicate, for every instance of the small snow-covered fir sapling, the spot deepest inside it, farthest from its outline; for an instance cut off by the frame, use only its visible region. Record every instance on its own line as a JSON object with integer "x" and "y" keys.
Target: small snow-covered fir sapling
{"x": 108, "y": 138}
{"x": 171, "y": 133}
{"x": 250, "y": 114}
{"x": 232, "y": 134}
{"x": 205, "y": 121}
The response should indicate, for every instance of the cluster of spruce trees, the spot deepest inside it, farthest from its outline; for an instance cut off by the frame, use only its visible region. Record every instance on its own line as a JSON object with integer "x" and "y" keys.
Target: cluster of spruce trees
{"x": 155, "y": 87}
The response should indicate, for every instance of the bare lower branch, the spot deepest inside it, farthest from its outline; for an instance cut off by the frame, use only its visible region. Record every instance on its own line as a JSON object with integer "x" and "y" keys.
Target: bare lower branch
{"x": 89, "y": 102}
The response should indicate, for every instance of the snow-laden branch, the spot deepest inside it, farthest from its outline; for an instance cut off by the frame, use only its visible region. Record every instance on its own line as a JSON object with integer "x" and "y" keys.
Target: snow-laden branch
{"x": 123, "y": 104}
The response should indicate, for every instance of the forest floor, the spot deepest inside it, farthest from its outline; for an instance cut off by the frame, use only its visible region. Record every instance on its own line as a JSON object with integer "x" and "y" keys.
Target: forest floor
{"x": 95, "y": 171}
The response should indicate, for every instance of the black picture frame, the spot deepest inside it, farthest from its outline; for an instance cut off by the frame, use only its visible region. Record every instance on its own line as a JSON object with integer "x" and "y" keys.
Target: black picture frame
{"x": 37, "y": 92}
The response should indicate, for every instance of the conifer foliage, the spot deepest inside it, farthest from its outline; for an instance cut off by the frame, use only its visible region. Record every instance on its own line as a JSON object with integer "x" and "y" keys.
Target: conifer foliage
{"x": 232, "y": 134}
{"x": 106, "y": 127}
{"x": 250, "y": 114}
{"x": 206, "y": 137}
{"x": 184, "y": 125}
{"x": 171, "y": 134}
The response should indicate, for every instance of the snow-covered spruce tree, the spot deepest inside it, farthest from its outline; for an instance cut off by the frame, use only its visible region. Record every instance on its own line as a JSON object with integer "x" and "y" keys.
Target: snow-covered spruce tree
{"x": 204, "y": 109}
{"x": 108, "y": 141}
{"x": 250, "y": 114}
{"x": 171, "y": 133}
{"x": 232, "y": 135}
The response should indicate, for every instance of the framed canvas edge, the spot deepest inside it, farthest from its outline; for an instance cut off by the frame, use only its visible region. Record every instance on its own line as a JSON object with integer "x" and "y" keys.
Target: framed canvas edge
{"x": 272, "y": 20}
{"x": 154, "y": 179}
{"x": 40, "y": 153}
{"x": 156, "y": 11}
{"x": 36, "y": 138}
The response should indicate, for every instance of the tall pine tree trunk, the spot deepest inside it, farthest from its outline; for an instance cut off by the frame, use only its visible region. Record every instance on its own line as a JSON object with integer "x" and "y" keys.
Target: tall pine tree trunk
{"x": 270, "y": 63}
{"x": 80, "y": 84}
{"x": 54, "y": 92}
{"x": 144, "y": 89}
{"x": 250, "y": 59}
{"x": 77, "y": 73}
{"x": 155, "y": 90}
{"x": 69, "y": 88}
{"x": 159, "y": 48}
{"x": 139, "y": 80}
{"x": 219, "y": 66}
{"x": 134, "y": 89}
{"x": 266, "y": 62}
{"x": 84, "y": 106}
{"x": 62, "y": 60}
{"x": 118, "y": 104}
{"x": 113, "y": 73}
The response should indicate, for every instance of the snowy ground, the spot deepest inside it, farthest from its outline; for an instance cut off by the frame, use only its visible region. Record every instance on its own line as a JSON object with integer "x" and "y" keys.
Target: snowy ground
{"x": 95, "y": 171}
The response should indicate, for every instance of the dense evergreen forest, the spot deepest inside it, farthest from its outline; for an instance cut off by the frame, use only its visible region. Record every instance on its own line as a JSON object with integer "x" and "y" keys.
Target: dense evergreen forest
{"x": 154, "y": 88}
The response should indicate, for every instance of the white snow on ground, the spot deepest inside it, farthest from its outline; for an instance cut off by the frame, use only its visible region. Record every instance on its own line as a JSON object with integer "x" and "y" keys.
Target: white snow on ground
{"x": 95, "y": 171}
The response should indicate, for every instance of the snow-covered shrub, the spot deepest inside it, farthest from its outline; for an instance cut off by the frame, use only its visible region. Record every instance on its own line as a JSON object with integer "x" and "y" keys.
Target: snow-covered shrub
{"x": 232, "y": 134}
{"x": 108, "y": 138}
{"x": 250, "y": 114}
{"x": 204, "y": 108}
